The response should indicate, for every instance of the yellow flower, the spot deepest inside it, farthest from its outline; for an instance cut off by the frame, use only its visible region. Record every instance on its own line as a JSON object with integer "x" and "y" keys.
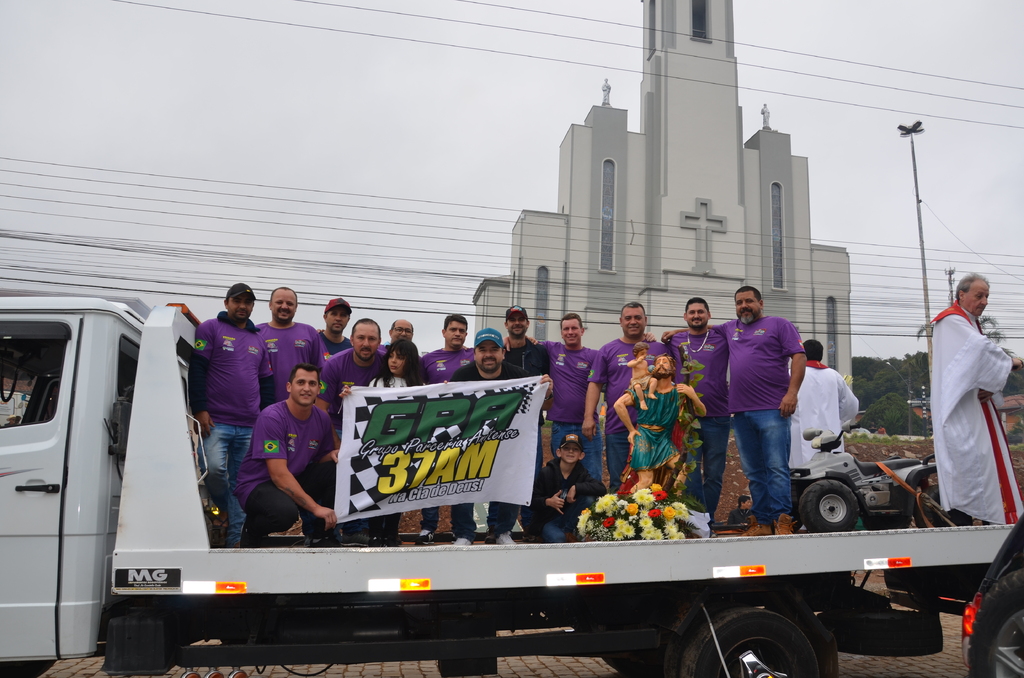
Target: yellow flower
{"x": 655, "y": 487}
{"x": 586, "y": 512}
{"x": 623, "y": 530}
{"x": 669, "y": 513}
{"x": 644, "y": 497}
{"x": 631, "y": 509}
{"x": 652, "y": 533}
{"x": 671, "y": 531}
{"x": 605, "y": 503}
{"x": 681, "y": 510}
{"x": 581, "y": 524}
{"x": 646, "y": 523}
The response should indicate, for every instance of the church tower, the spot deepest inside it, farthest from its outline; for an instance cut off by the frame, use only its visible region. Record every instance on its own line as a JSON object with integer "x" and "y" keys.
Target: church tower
{"x": 681, "y": 208}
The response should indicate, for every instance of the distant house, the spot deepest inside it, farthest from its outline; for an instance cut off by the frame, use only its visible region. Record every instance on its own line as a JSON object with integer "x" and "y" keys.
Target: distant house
{"x": 1012, "y": 410}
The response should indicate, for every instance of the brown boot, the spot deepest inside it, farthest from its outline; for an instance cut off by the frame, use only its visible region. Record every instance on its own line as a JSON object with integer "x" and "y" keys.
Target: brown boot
{"x": 755, "y": 529}
{"x": 784, "y": 525}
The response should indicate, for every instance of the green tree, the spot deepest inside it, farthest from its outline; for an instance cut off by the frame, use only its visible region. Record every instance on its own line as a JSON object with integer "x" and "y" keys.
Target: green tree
{"x": 890, "y": 412}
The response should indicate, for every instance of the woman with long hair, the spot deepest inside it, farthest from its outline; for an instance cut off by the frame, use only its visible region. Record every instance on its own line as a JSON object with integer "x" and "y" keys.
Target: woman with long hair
{"x": 399, "y": 368}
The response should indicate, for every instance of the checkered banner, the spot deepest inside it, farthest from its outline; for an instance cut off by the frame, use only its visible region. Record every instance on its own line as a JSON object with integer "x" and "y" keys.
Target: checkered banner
{"x": 403, "y": 449}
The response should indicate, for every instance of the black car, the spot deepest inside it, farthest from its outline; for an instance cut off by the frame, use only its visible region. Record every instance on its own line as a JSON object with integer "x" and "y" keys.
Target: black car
{"x": 993, "y": 624}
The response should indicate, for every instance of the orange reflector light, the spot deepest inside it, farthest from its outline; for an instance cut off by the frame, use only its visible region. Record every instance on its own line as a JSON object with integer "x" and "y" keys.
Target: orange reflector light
{"x": 414, "y": 584}
{"x": 970, "y": 614}
{"x": 213, "y": 587}
{"x": 187, "y": 313}
{"x": 731, "y": 571}
{"x": 575, "y": 579}
{"x": 886, "y": 563}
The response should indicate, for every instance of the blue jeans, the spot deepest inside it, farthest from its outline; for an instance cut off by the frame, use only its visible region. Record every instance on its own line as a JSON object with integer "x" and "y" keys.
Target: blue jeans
{"x": 617, "y": 449}
{"x": 554, "y": 531}
{"x": 464, "y": 525}
{"x": 763, "y": 439}
{"x": 430, "y": 516}
{"x": 705, "y": 483}
{"x": 593, "y": 450}
{"x": 225, "y": 448}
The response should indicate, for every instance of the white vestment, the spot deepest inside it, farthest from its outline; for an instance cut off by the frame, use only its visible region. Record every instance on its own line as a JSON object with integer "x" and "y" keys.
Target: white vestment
{"x": 824, "y": 401}
{"x": 975, "y": 473}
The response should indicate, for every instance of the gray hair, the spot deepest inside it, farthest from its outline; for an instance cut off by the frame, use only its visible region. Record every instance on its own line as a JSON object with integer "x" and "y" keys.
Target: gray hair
{"x": 965, "y": 283}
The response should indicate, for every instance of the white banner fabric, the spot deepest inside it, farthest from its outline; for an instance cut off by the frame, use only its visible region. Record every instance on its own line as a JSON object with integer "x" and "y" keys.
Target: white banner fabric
{"x": 404, "y": 449}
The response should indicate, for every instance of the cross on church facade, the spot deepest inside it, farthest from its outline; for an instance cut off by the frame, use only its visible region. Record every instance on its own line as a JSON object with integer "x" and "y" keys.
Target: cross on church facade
{"x": 703, "y": 222}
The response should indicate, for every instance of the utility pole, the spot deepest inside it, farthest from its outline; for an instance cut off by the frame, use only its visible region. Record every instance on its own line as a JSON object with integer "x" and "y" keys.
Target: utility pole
{"x": 910, "y": 131}
{"x": 950, "y": 272}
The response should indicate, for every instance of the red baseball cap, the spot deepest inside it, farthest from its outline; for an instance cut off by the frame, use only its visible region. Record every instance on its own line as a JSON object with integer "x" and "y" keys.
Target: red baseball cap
{"x": 337, "y": 302}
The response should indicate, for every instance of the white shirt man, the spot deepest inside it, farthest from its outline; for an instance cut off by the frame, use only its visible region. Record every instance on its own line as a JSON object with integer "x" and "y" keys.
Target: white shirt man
{"x": 968, "y": 375}
{"x": 825, "y": 401}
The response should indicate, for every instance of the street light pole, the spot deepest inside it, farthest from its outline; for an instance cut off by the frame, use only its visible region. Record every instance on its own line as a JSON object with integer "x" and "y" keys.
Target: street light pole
{"x": 910, "y": 131}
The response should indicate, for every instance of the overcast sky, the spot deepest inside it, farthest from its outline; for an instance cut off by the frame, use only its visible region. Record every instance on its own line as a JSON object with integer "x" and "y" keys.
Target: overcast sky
{"x": 383, "y": 154}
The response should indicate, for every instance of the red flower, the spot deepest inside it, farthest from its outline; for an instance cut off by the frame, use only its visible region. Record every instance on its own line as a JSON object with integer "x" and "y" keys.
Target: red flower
{"x": 660, "y": 495}
{"x": 609, "y": 521}
{"x": 654, "y": 513}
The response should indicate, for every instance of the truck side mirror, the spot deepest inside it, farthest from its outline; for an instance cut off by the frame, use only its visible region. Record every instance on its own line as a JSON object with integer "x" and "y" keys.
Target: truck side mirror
{"x": 117, "y": 427}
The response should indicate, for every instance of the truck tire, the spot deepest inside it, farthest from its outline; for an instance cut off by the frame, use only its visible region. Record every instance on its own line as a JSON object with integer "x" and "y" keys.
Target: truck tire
{"x": 886, "y": 633}
{"x": 829, "y": 506}
{"x": 774, "y": 639}
{"x": 997, "y": 640}
{"x": 27, "y": 669}
{"x": 887, "y": 522}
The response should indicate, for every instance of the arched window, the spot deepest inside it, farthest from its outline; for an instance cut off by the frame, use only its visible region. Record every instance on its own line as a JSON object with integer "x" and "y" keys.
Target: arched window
{"x": 608, "y": 216}
{"x": 832, "y": 330}
{"x": 540, "y": 332}
{"x": 778, "y": 280}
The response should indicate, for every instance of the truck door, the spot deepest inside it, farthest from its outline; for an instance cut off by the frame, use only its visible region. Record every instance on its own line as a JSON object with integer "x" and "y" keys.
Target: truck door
{"x": 37, "y": 368}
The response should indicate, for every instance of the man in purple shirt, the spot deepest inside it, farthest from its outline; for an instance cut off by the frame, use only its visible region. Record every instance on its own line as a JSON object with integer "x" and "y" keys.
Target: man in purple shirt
{"x": 762, "y": 395}
{"x": 612, "y": 372}
{"x": 291, "y": 464}
{"x": 570, "y": 364}
{"x": 357, "y": 366}
{"x": 438, "y": 367}
{"x": 288, "y": 342}
{"x": 229, "y": 382}
{"x": 709, "y": 347}
{"x": 337, "y": 313}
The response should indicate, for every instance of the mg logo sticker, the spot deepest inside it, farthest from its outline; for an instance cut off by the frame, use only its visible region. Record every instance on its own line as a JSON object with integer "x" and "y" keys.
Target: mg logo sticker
{"x": 147, "y": 579}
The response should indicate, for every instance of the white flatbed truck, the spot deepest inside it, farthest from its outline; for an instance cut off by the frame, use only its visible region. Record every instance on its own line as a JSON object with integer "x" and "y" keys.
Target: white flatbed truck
{"x": 96, "y": 564}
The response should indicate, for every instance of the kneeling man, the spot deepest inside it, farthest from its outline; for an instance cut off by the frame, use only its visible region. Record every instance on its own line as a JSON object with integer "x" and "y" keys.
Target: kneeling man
{"x": 287, "y": 466}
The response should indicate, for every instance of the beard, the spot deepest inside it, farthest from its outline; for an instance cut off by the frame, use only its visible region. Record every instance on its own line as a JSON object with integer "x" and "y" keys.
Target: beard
{"x": 660, "y": 372}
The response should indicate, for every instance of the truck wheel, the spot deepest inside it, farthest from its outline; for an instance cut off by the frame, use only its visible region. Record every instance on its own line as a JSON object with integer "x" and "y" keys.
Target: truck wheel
{"x": 29, "y": 669}
{"x": 828, "y": 506}
{"x": 776, "y": 641}
{"x": 997, "y": 643}
{"x": 887, "y": 522}
{"x": 885, "y": 633}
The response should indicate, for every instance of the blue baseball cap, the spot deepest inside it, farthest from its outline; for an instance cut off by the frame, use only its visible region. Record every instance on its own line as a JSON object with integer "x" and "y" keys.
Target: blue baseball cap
{"x": 488, "y": 334}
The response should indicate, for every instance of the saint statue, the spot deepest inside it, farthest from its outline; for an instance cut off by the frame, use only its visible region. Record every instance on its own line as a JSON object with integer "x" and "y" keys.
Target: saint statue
{"x": 764, "y": 113}
{"x": 607, "y": 90}
{"x": 653, "y": 452}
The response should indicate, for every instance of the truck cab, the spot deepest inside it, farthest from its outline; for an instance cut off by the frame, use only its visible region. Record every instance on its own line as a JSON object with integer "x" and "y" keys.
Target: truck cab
{"x": 68, "y": 368}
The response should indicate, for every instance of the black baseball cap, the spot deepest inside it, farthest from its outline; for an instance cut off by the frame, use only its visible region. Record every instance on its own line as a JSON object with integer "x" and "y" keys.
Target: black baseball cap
{"x": 516, "y": 309}
{"x": 573, "y": 439}
{"x": 239, "y": 290}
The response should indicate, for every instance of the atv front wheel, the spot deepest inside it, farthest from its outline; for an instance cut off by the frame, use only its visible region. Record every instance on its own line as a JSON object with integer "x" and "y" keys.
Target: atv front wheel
{"x": 828, "y": 506}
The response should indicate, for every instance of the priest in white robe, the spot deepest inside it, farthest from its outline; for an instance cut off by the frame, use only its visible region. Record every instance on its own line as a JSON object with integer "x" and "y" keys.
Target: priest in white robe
{"x": 968, "y": 374}
{"x": 825, "y": 401}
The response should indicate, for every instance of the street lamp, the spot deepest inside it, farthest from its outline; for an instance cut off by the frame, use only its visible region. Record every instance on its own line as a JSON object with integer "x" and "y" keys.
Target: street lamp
{"x": 910, "y": 412}
{"x": 918, "y": 128}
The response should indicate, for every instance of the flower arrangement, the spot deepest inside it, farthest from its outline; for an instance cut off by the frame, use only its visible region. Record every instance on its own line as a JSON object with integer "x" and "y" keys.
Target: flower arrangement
{"x": 650, "y": 513}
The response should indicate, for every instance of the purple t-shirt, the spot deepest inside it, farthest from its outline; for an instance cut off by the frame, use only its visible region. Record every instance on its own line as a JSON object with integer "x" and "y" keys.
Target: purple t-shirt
{"x": 569, "y": 370}
{"x": 610, "y": 368}
{"x": 341, "y": 371}
{"x": 712, "y": 351}
{"x": 440, "y": 365}
{"x": 238, "y": 360}
{"x": 287, "y": 348}
{"x": 759, "y": 362}
{"x": 278, "y": 434}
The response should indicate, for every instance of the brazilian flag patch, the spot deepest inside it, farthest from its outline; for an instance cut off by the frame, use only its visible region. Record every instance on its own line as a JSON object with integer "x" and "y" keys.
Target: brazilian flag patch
{"x": 323, "y": 387}
{"x": 200, "y": 344}
{"x": 271, "y": 446}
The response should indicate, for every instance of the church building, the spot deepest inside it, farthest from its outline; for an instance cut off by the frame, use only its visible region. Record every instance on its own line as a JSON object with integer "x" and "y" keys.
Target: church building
{"x": 681, "y": 208}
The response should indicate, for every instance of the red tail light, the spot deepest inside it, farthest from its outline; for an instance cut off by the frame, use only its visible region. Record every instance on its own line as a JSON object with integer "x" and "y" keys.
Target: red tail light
{"x": 970, "y": 614}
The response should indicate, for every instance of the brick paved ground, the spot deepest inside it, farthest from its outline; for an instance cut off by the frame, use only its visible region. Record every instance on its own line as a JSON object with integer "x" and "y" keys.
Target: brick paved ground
{"x": 946, "y": 664}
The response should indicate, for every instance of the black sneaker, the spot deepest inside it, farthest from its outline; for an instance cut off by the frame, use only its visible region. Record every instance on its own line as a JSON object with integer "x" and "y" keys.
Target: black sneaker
{"x": 392, "y": 542}
{"x": 328, "y": 542}
{"x": 425, "y": 538}
{"x": 362, "y": 537}
{"x": 490, "y": 539}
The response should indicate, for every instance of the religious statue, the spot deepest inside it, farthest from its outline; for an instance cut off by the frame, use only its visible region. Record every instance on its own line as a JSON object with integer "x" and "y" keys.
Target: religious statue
{"x": 766, "y": 115}
{"x": 653, "y": 452}
{"x": 641, "y": 380}
{"x": 607, "y": 90}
